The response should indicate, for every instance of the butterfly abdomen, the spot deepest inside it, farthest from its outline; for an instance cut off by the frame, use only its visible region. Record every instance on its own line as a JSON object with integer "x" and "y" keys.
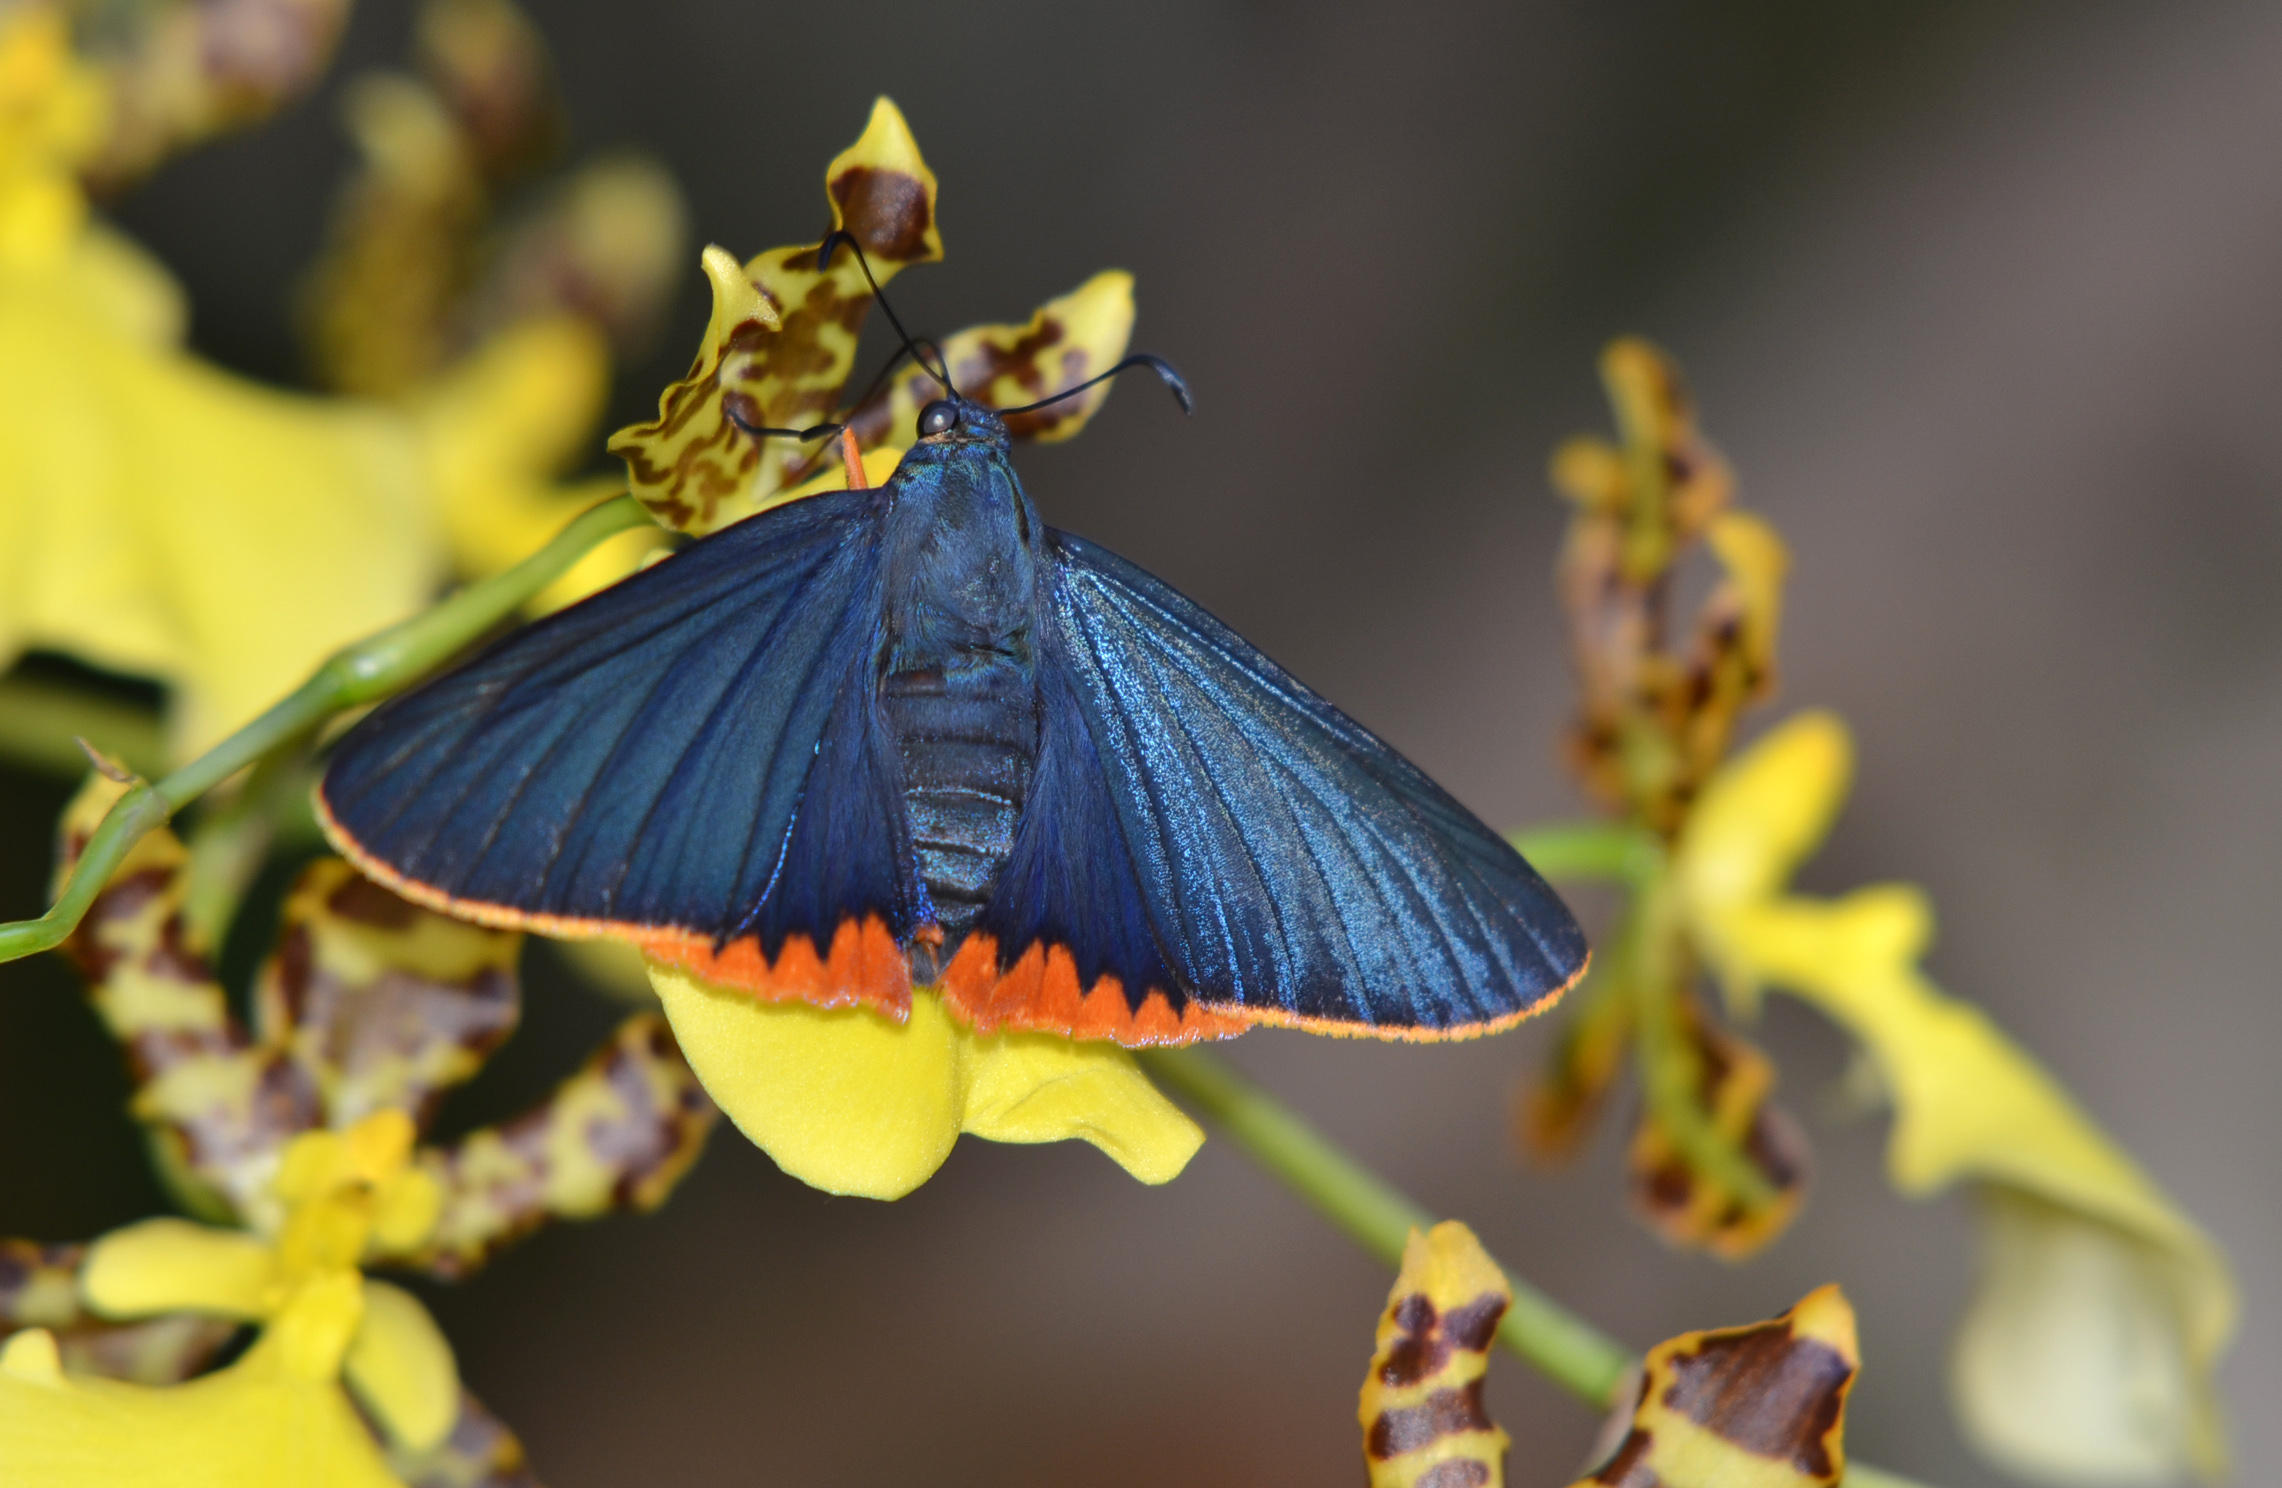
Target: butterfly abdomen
{"x": 968, "y": 738}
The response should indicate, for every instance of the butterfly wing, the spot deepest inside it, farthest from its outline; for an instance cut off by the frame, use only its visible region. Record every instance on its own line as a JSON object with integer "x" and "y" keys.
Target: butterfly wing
{"x": 1209, "y": 844}
{"x": 690, "y": 759}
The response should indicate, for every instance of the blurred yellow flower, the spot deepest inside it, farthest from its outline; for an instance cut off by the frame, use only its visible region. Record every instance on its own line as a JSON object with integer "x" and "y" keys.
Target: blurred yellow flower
{"x": 277, "y": 1418}
{"x": 852, "y": 1103}
{"x": 2088, "y": 1350}
{"x": 346, "y": 1195}
{"x": 169, "y": 519}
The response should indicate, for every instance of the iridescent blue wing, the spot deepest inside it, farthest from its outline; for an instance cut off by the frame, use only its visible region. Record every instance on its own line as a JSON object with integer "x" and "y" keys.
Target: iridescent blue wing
{"x": 690, "y": 759}
{"x": 1209, "y": 844}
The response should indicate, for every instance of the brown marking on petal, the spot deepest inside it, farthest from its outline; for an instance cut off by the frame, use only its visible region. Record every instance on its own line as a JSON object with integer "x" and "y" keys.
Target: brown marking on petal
{"x": 1630, "y": 1468}
{"x": 1443, "y": 1413}
{"x": 1474, "y": 1325}
{"x": 1732, "y": 1095}
{"x": 1767, "y": 1390}
{"x": 384, "y": 1003}
{"x": 360, "y": 899}
{"x": 150, "y": 1351}
{"x": 1419, "y": 1348}
{"x": 1421, "y": 1405}
{"x": 1557, "y": 1111}
{"x": 634, "y": 1106}
{"x": 1774, "y": 1390}
{"x": 479, "y": 1451}
{"x": 39, "y": 1284}
{"x": 887, "y": 210}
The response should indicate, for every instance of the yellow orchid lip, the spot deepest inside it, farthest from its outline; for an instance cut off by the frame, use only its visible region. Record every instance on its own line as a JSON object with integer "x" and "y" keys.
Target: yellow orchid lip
{"x": 852, "y": 1103}
{"x": 2044, "y": 1378}
{"x": 334, "y": 1186}
{"x": 275, "y": 1418}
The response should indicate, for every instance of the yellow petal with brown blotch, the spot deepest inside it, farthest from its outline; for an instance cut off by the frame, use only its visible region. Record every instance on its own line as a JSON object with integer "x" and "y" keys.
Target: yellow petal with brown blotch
{"x": 1762, "y": 1406}
{"x": 617, "y": 1135}
{"x": 781, "y": 342}
{"x": 1071, "y": 338}
{"x": 1421, "y": 1408}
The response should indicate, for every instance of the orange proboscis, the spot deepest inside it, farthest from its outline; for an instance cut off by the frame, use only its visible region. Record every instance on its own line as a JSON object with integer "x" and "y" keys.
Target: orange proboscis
{"x": 853, "y": 458}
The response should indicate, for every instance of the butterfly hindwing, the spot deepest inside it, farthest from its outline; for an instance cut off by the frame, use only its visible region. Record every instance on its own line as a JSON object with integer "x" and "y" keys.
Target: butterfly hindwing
{"x": 1289, "y": 866}
{"x": 687, "y": 759}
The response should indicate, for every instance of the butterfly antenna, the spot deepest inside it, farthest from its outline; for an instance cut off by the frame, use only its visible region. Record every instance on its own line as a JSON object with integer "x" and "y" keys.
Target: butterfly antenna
{"x": 941, "y": 372}
{"x": 1176, "y": 384}
{"x": 879, "y": 380}
{"x": 730, "y": 409}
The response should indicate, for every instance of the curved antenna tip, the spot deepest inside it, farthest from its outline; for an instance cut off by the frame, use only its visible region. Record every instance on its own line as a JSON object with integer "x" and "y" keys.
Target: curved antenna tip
{"x": 1175, "y": 384}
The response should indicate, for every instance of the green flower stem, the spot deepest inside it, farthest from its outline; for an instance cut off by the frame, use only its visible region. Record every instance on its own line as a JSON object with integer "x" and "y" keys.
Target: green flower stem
{"x": 234, "y": 838}
{"x": 1591, "y": 851}
{"x": 1671, "y": 1073}
{"x": 1566, "y": 1348}
{"x": 41, "y": 724}
{"x": 361, "y": 673}
{"x": 1559, "y": 1344}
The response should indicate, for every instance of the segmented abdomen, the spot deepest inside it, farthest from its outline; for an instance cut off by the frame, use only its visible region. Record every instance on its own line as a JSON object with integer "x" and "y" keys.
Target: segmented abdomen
{"x": 968, "y": 738}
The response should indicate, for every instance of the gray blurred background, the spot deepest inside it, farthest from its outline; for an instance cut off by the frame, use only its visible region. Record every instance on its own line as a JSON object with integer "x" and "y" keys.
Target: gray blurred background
{"x": 1985, "y": 305}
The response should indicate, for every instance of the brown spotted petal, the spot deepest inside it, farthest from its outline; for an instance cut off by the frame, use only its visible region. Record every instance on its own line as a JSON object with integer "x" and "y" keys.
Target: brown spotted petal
{"x": 1556, "y": 1112}
{"x": 605, "y": 244}
{"x": 1640, "y": 504}
{"x": 1733, "y": 662}
{"x": 489, "y": 64}
{"x": 618, "y": 1135}
{"x": 1071, "y": 338}
{"x": 1695, "y": 1200}
{"x": 1757, "y": 1407}
{"x": 781, "y": 342}
{"x": 1421, "y": 1411}
{"x": 39, "y": 1288}
{"x": 219, "y": 1109}
{"x": 381, "y": 1002}
{"x": 180, "y": 72}
{"x": 378, "y": 302}
{"x": 479, "y": 1451}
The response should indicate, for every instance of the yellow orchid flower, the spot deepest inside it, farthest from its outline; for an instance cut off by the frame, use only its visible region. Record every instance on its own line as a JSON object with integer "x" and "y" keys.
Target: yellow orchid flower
{"x": 2089, "y": 1347}
{"x": 276, "y": 1418}
{"x": 852, "y": 1103}
{"x": 367, "y": 1005}
{"x": 1421, "y": 1407}
{"x": 1761, "y": 1406}
{"x": 169, "y": 519}
{"x": 781, "y": 343}
{"x": 344, "y": 1195}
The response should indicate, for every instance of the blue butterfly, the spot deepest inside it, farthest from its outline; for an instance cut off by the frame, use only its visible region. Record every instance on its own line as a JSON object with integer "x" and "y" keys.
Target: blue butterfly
{"x": 911, "y": 735}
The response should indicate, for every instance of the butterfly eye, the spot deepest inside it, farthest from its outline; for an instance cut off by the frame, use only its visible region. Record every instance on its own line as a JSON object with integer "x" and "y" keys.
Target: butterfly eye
{"x": 937, "y": 417}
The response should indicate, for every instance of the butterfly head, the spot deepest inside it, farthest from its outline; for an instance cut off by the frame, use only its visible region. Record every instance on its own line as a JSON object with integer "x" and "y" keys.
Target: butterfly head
{"x": 958, "y": 420}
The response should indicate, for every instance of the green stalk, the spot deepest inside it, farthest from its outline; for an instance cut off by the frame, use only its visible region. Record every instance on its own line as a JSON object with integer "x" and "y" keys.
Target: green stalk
{"x": 1566, "y": 1348}
{"x": 360, "y": 673}
{"x": 1559, "y": 1344}
{"x": 1671, "y": 1074}
{"x": 1591, "y": 851}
